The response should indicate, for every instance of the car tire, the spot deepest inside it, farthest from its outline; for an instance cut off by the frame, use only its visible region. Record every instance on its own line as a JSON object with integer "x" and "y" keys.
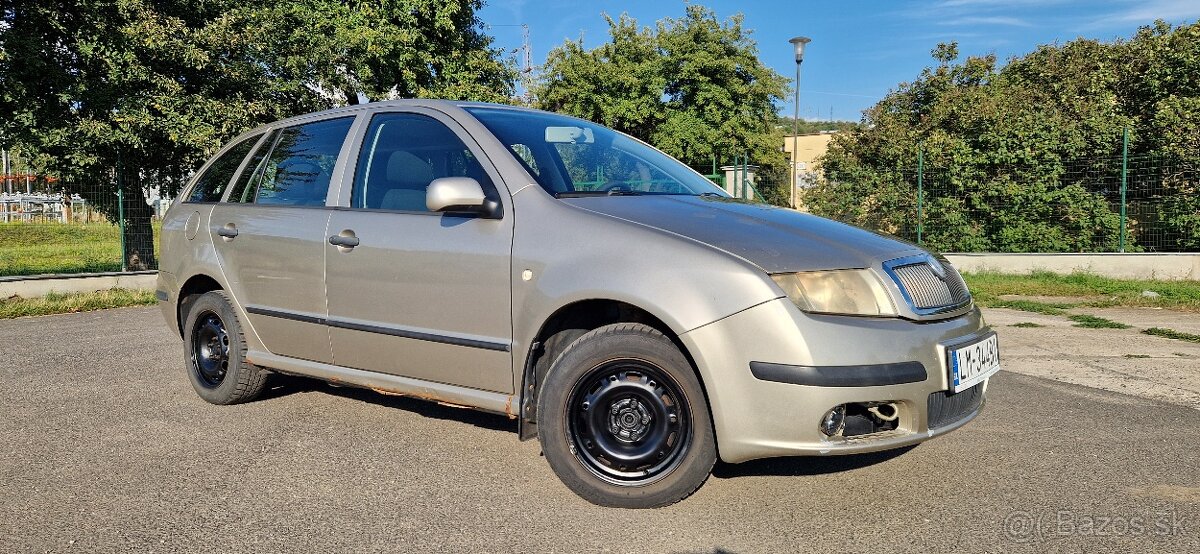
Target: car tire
{"x": 623, "y": 420}
{"x": 214, "y": 348}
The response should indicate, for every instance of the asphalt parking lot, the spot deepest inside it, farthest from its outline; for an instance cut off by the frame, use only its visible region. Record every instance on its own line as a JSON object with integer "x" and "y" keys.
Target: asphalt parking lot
{"x": 106, "y": 448}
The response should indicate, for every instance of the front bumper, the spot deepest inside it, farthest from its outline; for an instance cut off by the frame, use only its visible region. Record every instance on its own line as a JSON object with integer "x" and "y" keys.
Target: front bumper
{"x": 759, "y": 418}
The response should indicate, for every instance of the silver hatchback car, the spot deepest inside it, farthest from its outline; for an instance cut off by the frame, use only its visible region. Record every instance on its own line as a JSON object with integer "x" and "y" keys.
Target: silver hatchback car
{"x": 623, "y": 309}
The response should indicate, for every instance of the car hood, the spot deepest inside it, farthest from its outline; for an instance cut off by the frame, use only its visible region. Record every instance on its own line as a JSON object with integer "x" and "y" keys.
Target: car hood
{"x": 778, "y": 240}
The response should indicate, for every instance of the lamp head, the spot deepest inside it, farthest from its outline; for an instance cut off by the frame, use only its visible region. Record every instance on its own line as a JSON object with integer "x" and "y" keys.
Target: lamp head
{"x": 799, "y": 43}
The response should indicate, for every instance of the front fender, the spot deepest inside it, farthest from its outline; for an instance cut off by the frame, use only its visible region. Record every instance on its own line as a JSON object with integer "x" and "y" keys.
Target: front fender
{"x": 565, "y": 255}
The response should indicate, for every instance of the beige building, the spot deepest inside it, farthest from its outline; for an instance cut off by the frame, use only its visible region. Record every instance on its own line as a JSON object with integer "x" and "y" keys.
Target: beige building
{"x": 808, "y": 148}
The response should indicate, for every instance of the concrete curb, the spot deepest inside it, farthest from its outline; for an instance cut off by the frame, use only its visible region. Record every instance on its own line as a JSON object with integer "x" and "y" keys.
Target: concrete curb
{"x": 1169, "y": 267}
{"x": 1166, "y": 267}
{"x": 32, "y": 286}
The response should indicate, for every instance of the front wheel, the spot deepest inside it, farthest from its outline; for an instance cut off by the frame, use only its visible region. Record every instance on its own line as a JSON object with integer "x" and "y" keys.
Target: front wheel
{"x": 624, "y": 421}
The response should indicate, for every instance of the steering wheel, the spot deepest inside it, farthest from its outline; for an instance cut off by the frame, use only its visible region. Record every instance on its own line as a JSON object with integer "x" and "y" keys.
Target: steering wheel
{"x": 616, "y": 185}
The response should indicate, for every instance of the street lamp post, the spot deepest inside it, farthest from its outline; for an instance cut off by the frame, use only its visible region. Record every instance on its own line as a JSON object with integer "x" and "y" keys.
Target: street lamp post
{"x": 798, "y": 43}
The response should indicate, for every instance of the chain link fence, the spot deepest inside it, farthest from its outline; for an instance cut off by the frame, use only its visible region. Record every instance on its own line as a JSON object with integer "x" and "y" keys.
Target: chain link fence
{"x": 57, "y": 227}
{"x": 1111, "y": 204}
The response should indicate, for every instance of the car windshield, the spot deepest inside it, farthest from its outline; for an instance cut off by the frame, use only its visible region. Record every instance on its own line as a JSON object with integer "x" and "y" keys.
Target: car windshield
{"x": 571, "y": 157}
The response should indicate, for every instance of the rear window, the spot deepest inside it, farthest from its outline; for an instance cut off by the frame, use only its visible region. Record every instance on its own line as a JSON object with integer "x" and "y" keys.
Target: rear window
{"x": 298, "y": 170}
{"x": 243, "y": 189}
{"x": 212, "y": 183}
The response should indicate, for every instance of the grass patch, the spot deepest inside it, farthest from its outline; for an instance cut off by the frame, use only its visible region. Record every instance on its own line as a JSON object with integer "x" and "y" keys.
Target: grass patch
{"x": 1027, "y": 324}
{"x": 989, "y": 286}
{"x": 1139, "y": 356}
{"x": 1026, "y": 305}
{"x": 36, "y": 248}
{"x": 1172, "y": 334}
{"x": 1093, "y": 322}
{"x": 59, "y": 303}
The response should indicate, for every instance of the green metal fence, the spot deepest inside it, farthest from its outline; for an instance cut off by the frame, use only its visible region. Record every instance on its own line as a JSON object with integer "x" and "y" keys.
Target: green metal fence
{"x": 1121, "y": 203}
{"x": 737, "y": 178}
{"x": 78, "y": 227}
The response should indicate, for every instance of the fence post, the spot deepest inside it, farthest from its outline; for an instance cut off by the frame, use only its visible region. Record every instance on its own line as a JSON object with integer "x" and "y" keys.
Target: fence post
{"x": 737, "y": 176}
{"x": 920, "y": 191}
{"x": 1124, "y": 181}
{"x": 746, "y": 177}
{"x": 740, "y": 188}
{"x": 121, "y": 211}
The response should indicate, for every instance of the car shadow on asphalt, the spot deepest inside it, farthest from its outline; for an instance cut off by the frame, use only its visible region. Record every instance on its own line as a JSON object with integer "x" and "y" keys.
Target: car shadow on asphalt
{"x": 281, "y": 385}
{"x": 805, "y": 465}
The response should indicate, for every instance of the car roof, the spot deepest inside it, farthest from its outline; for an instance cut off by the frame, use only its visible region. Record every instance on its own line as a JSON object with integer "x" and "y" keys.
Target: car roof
{"x": 441, "y": 105}
{"x": 402, "y": 103}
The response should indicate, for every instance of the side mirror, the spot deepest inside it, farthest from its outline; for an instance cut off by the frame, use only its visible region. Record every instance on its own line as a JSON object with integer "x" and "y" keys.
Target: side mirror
{"x": 459, "y": 195}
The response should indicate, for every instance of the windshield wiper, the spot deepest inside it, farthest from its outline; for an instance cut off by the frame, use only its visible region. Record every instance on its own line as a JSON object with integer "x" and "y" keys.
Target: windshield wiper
{"x": 583, "y": 193}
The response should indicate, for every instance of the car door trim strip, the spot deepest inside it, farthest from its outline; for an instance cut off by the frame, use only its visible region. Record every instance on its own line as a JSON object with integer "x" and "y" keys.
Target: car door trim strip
{"x": 381, "y": 329}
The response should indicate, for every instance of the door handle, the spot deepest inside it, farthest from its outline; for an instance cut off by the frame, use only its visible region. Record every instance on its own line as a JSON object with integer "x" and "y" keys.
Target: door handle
{"x": 228, "y": 231}
{"x": 344, "y": 241}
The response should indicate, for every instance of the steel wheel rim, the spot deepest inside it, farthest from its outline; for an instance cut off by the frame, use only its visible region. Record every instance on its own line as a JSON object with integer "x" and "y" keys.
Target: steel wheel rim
{"x": 629, "y": 422}
{"x": 210, "y": 350}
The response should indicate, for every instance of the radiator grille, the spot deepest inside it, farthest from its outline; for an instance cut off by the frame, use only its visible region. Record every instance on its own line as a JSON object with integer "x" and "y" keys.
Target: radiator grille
{"x": 926, "y": 289}
{"x": 946, "y": 407}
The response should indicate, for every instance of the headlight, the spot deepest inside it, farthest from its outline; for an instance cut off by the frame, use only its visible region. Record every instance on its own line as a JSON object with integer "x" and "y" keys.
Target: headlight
{"x": 848, "y": 291}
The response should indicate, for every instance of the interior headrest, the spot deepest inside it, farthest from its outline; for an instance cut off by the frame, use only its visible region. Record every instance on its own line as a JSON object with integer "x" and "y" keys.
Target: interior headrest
{"x": 403, "y": 167}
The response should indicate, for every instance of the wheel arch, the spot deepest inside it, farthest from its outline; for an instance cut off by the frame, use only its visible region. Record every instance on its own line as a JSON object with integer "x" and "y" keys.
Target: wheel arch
{"x": 578, "y": 317}
{"x": 195, "y": 285}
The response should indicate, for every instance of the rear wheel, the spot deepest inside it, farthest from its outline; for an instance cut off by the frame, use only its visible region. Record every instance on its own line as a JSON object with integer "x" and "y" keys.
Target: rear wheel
{"x": 215, "y": 352}
{"x": 623, "y": 420}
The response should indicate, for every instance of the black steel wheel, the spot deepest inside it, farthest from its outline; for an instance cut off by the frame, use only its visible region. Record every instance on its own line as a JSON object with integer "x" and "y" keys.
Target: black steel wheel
{"x": 629, "y": 422}
{"x": 210, "y": 350}
{"x": 215, "y": 351}
{"x": 623, "y": 420}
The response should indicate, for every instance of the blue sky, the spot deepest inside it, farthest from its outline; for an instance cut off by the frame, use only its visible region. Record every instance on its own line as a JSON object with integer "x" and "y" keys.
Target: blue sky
{"x": 860, "y": 49}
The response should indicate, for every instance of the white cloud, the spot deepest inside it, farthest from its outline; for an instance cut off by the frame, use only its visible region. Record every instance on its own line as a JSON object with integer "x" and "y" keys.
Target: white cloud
{"x": 993, "y": 4}
{"x": 1174, "y": 11}
{"x": 986, "y": 20}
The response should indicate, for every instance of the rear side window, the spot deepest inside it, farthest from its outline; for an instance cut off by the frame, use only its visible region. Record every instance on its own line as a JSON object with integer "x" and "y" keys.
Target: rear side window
{"x": 245, "y": 186}
{"x": 298, "y": 169}
{"x": 401, "y": 154}
{"x": 211, "y": 184}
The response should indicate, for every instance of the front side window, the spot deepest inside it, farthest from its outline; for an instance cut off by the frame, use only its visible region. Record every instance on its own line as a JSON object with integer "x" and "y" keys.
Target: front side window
{"x": 573, "y": 157}
{"x": 298, "y": 169}
{"x": 401, "y": 154}
{"x": 211, "y": 184}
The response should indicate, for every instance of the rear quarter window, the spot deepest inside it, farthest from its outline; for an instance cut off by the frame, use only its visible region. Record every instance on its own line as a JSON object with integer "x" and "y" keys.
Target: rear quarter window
{"x": 211, "y": 184}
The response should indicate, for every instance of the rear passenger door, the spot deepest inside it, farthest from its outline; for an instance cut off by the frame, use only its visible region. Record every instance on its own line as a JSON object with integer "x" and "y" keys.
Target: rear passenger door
{"x": 269, "y": 235}
{"x": 420, "y": 294}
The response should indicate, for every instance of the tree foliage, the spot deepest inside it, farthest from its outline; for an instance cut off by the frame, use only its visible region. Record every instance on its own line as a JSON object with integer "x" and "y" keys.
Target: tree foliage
{"x": 151, "y": 88}
{"x": 692, "y": 86}
{"x": 1021, "y": 157}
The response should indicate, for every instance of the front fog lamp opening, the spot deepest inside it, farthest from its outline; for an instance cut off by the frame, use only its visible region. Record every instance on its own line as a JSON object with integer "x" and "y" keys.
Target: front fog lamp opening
{"x": 833, "y": 421}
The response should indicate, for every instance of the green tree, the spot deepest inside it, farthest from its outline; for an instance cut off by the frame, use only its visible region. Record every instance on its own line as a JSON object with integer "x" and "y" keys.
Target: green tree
{"x": 692, "y": 86}
{"x": 1024, "y": 157}
{"x": 131, "y": 94}
{"x": 377, "y": 49}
